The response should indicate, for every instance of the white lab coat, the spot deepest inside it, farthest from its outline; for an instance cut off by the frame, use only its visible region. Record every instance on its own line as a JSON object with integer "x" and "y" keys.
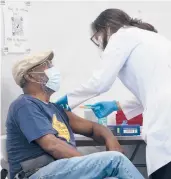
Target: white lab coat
{"x": 142, "y": 61}
{"x": 131, "y": 107}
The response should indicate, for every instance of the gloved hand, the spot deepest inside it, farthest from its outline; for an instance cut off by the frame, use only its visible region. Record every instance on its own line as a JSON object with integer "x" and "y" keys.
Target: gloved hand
{"x": 103, "y": 109}
{"x": 63, "y": 102}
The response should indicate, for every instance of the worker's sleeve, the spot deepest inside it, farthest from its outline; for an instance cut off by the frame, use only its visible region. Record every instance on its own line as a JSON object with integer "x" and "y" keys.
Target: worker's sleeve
{"x": 33, "y": 123}
{"x": 131, "y": 107}
{"x": 114, "y": 57}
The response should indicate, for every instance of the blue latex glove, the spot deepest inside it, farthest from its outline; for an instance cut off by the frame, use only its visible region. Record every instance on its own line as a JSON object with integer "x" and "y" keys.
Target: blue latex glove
{"x": 103, "y": 109}
{"x": 63, "y": 102}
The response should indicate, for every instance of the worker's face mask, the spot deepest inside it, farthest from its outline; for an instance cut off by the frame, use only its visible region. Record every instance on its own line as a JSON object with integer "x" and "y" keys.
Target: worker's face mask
{"x": 105, "y": 38}
{"x": 100, "y": 42}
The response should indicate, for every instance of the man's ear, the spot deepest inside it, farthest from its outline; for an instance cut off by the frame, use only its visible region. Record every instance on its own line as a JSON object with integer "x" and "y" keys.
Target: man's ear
{"x": 29, "y": 77}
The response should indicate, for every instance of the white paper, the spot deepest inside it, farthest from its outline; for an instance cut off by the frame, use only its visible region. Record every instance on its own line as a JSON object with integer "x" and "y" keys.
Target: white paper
{"x": 16, "y": 19}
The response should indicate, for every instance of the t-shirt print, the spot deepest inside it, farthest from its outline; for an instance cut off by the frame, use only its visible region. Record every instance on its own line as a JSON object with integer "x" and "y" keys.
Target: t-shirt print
{"x": 61, "y": 128}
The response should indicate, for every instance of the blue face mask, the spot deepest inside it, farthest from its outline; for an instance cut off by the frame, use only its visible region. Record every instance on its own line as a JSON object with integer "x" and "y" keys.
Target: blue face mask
{"x": 53, "y": 79}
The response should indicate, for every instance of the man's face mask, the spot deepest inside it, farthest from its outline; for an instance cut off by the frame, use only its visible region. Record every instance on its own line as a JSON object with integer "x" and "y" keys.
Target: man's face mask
{"x": 50, "y": 78}
{"x": 53, "y": 79}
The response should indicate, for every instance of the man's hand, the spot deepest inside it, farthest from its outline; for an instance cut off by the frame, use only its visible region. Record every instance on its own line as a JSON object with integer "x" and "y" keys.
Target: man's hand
{"x": 103, "y": 133}
{"x": 112, "y": 144}
{"x": 96, "y": 131}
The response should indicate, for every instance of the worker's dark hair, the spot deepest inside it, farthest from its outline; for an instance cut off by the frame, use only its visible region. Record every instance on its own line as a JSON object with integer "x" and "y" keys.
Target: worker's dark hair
{"x": 115, "y": 19}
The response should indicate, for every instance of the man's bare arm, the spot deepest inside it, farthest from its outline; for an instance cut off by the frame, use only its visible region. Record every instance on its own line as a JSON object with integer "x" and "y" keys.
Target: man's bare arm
{"x": 56, "y": 147}
{"x": 93, "y": 130}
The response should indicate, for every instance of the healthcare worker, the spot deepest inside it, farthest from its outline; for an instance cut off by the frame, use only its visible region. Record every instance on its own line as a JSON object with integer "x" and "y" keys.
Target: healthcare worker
{"x": 141, "y": 58}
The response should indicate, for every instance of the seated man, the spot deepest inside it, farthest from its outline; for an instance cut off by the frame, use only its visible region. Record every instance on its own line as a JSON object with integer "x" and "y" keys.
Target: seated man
{"x": 40, "y": 134}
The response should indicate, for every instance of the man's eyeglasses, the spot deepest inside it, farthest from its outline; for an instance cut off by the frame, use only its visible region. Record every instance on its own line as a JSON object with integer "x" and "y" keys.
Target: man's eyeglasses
{"x": 43, "y": 65}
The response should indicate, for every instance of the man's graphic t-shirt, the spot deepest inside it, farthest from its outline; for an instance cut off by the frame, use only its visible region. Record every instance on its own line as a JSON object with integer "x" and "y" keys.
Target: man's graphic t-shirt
{"x": 29, "y": 119}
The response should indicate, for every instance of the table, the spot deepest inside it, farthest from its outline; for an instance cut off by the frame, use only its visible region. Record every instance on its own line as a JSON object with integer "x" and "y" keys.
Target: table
{"x": 82, "y": 141}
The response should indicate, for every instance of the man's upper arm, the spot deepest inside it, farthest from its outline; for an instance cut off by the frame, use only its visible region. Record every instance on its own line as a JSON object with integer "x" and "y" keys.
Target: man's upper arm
{"x": 80, "y": 125}
{"x": 46, "y": 142}
{"x": 33, "y": 123}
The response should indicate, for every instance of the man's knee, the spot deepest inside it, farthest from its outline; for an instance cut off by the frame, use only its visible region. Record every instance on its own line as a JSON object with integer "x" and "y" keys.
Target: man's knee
{"x": 112, "y": 155}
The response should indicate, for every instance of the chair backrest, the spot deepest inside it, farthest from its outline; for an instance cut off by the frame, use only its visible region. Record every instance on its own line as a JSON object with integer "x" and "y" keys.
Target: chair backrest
{"x": 3, "y": 147}
{"x": 4, "y": 159}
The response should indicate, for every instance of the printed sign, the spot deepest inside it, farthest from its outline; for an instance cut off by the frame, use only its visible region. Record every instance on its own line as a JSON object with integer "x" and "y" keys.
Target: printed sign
{"x": 16, "y": 27}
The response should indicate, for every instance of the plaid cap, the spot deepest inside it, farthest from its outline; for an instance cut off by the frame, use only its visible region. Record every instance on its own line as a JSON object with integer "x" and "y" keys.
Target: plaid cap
{"x": 23, "y": 66}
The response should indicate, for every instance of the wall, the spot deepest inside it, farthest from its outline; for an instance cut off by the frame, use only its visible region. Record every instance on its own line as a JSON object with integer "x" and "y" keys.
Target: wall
{"x": 65, "y": 27}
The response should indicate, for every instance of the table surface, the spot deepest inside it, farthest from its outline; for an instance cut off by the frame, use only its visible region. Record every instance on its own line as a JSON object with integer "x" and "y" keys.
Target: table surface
{"x": 123, "y": 140}
{"x": 80, "y": 137}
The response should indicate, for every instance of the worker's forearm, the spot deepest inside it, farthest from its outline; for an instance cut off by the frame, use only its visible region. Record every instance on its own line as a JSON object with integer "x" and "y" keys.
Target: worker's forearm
{"x": 62, "y": 152}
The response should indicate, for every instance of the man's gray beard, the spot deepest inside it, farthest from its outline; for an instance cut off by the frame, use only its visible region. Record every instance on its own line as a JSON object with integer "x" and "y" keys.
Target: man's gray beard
{"x": 47, "y": 90}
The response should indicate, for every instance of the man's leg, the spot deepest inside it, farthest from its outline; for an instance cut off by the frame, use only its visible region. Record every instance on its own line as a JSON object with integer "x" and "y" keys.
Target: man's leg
{"x": 162, "y": 173}
{"x": 94, "y": 166}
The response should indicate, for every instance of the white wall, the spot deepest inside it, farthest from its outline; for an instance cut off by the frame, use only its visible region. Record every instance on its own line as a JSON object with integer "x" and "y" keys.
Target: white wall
{"x": 65, "y": 27}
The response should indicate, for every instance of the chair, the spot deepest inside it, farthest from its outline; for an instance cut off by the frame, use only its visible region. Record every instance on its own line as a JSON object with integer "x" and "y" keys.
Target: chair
{"x": 4, "y": 160}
